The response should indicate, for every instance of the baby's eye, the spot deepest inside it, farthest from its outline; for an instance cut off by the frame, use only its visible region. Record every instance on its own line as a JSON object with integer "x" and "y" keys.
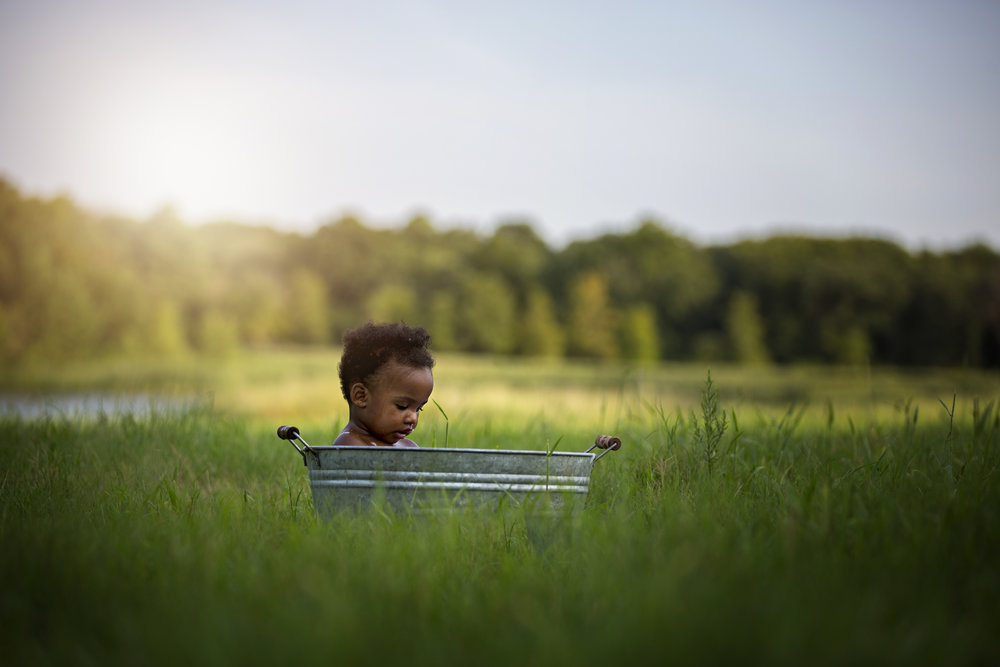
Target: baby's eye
{"x": 401, "y": 407}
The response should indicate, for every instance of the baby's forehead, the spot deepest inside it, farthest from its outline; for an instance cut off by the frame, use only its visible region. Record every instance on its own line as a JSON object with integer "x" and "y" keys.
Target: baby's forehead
{"x": 394, "y": 372}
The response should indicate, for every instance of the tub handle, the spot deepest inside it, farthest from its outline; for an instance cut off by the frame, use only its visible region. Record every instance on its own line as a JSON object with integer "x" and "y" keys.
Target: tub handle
{"x": 291, "y": 434}
{"x": 607, "y": 443}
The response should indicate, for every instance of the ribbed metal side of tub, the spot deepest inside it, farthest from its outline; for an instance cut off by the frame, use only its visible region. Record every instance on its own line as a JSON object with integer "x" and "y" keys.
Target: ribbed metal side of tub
{"x": 429, "y": 480}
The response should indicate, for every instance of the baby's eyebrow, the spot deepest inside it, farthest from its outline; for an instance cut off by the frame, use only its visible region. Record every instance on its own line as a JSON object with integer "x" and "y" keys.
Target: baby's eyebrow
{"x": 407, "y": 399}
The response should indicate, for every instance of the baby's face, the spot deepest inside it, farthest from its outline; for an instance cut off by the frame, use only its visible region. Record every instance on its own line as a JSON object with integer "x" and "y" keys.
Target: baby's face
{"x": 397, "y": 394}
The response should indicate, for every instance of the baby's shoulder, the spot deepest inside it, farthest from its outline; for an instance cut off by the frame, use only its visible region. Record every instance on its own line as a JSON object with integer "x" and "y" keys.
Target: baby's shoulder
{"x": 347, "y": 438}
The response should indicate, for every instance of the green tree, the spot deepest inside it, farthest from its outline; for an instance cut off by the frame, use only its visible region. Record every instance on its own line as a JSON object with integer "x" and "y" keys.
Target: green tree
{"x": 814, "y": 293}
{"x": 745, "y": 330}
{"x": 256, "y": 301}
{"x": 75, "y": 284}
{"x": 165, "y": 335}
{"x": 218, "y": 334}
{"x": 349, "y": 261}
{"x": 540, "y": 334}
{"x": 647, "y": 265}
{"x": 308, "y": 315}
{"x": 9, "y": 344}
{"x": 441, "y": 321}
{"x": 849, "y": 346}
{"x": 516, "y": 253}
{"x": 486, "y": 315}
{"x": 61, "y": 314}
{"x": 979, "y": 273}
{"x": 639, "y": 335}
{"x": 392, "y": 303}
{"x": 592, "y": 320}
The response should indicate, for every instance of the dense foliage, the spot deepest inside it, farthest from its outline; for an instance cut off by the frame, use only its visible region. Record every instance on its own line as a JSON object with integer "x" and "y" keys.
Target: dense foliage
{"x": 74, "y": 284}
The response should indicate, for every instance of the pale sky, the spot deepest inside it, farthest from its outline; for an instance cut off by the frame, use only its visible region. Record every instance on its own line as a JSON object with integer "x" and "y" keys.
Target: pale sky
{"x": 721, "y": 119}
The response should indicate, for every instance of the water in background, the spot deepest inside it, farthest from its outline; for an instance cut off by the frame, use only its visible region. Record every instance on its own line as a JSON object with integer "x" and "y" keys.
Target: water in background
{"x": 92, "y": 405}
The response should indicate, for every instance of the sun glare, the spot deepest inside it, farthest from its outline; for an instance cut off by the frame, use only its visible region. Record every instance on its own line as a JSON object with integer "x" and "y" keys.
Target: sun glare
{"x": 173, "y": 141}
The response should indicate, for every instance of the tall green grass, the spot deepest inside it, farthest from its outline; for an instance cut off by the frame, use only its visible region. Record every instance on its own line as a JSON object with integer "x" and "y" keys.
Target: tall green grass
{"x": 190, "y": 538}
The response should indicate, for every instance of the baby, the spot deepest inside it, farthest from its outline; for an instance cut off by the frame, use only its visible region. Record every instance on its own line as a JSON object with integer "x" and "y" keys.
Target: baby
{"x": 385, "y": 375}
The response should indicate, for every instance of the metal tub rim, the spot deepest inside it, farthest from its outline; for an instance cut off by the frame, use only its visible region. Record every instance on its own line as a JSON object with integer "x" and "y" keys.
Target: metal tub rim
{"x": 355, "y": 476}
{"x": 530, "y": 452}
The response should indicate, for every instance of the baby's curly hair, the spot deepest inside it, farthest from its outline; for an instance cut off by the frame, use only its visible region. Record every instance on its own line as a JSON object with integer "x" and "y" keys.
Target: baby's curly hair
{"x": 368, "y": 347}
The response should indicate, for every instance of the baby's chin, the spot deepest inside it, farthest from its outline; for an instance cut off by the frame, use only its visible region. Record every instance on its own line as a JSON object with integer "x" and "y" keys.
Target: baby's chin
{"x": 393, "y": 440}
{"x": 398, "y": 436}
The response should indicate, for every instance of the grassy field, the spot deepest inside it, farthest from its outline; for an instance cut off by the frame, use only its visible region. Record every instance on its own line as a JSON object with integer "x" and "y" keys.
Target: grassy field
{"x": 842, "y": 516}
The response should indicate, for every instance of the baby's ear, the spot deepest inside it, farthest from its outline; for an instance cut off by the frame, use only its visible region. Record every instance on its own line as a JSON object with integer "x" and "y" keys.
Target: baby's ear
{"x": 359, "y": 394}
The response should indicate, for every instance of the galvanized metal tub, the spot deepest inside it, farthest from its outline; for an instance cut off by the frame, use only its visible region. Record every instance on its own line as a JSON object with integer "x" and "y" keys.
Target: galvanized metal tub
{"x": 430, "y": 480}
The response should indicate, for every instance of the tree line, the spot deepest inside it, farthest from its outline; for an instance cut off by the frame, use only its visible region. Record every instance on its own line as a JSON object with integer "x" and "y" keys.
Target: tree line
{"x": 76, "y": 284}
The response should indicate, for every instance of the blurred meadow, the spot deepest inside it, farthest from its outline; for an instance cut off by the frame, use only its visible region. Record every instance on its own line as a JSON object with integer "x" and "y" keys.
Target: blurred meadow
{"x": 302, "y": 384}
{"x": 809, "y": 472}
